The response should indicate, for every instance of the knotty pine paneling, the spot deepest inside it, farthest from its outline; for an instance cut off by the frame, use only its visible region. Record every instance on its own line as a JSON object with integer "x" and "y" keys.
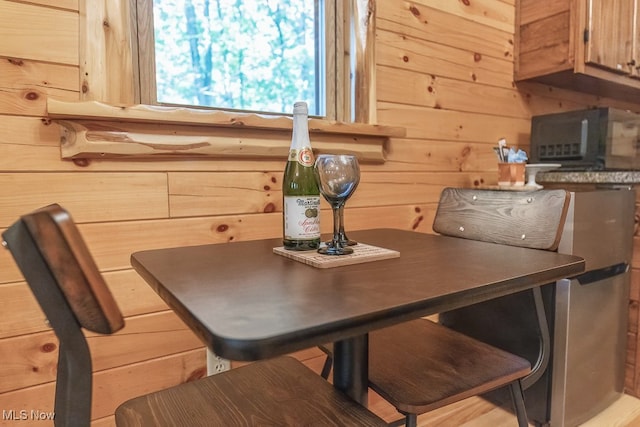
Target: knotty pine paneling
{"x": 489, "y": 13}
{"x": 33, "y": 32}
{"x": 412, "y": 54}
{"x": 29, "y": 101}
{"x": 409, "y": 188}
{"x": 29, "y": 360}
{"x": 426, "y": 23}
{"x": 443, "y": 93}
{"x": 447, "y": 125}
{"x": 132, "y": 236}
{"x": 88, "y": 197}
{"x": 222, "y": 193}
{"x": 109, "y": 421}
{"x": 113, "y": 386}
{"x": 18, "y": 72}
{"x": 21, "y": 313}
{"x": 20, "y": 134}
{"x": 407, "y": 155}
{"x": 214, "y": 193}
{"x": 58, "y": 4}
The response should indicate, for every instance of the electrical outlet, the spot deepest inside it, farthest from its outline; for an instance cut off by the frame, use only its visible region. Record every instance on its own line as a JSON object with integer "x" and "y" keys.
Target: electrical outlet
{"x": 216, "y": 364}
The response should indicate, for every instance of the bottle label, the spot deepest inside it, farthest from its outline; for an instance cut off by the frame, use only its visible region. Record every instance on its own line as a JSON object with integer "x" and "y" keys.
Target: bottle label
{"x": 301, "y": 217}
{"x": 303, "y": 156}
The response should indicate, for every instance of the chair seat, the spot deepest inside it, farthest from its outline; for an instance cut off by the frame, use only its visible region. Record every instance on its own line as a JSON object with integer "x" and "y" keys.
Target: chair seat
{"x": 277, "y": 392}
{"x": 420, "y": 366}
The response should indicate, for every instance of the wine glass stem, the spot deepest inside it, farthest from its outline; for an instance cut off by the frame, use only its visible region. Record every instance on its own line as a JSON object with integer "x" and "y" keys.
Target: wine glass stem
{"x": 336, "y": 227}
{"x": 341, "y": 234}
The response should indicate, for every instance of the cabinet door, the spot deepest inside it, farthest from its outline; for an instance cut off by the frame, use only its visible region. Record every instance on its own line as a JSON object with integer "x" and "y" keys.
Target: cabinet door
{"x": 635, "y": 72}
{"x": 610, "y": 34}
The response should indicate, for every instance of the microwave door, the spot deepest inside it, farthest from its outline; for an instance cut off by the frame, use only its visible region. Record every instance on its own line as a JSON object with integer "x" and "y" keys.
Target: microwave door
{"x": 622, "y": 141}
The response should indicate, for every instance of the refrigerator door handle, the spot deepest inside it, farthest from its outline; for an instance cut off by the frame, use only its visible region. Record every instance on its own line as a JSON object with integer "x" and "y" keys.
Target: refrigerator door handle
{"x": 599, "y": 274}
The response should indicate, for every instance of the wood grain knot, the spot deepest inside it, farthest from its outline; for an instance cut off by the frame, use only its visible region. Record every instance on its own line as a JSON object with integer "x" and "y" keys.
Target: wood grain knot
{"x": 83, "y": 163}
{"x": 197, "y": 374}
{"x": 48, "y": 347}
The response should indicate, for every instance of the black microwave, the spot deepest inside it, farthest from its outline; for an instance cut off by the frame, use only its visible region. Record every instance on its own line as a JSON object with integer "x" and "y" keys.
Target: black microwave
{"x": 594, "y": 139}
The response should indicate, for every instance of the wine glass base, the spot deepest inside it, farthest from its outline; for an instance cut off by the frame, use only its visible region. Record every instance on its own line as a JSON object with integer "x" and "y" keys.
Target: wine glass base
{"x": 342, "y": 242}
{"x": 332, "y": 250}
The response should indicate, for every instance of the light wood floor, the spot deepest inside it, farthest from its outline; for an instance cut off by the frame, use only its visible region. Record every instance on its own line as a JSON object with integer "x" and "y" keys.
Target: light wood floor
{"x": 477, "y": 412}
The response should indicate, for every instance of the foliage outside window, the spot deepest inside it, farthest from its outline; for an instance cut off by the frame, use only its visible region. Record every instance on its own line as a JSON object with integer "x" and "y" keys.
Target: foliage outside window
{"x": 250, "y": 55}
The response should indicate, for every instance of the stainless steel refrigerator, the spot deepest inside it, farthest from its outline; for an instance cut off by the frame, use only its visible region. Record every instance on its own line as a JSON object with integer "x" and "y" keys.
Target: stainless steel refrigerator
{"x": 587, "y": 316}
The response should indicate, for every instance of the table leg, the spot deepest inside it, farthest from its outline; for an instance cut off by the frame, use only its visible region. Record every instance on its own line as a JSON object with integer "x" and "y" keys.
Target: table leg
{"x": 351, "y": 367}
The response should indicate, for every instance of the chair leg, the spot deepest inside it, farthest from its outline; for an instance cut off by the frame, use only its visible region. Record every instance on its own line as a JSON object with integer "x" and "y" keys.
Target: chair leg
{"x": 326, "y": 368}
{"x": 517, "y": 396}
{"x": 411, "y": 420}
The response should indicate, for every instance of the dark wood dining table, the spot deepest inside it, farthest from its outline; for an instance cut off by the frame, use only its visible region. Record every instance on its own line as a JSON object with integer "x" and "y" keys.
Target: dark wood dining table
{"x": 247, "y": 303}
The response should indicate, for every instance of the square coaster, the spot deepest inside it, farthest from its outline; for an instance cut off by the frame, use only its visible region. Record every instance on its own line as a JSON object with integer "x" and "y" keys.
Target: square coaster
{"x": 361, "y": 253}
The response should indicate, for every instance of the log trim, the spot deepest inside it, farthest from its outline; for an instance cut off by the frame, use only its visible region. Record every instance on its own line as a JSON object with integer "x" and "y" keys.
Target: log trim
{"x": 96, "y": 130}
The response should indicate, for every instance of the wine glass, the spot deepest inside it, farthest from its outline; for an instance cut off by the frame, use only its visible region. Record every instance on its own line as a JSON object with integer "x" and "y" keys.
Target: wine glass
{"x": 338, "y": 177}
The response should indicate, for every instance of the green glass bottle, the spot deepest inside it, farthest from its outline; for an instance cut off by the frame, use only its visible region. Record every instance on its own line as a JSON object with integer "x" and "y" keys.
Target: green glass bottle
{"x": 300, "y": 192}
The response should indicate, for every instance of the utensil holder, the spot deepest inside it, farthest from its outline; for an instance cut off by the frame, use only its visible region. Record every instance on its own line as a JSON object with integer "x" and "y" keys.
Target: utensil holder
{"x": 511, "y": 173}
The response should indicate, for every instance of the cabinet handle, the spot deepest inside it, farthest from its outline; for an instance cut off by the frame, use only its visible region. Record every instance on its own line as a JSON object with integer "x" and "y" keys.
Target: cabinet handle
{"x": 631, "y": 63}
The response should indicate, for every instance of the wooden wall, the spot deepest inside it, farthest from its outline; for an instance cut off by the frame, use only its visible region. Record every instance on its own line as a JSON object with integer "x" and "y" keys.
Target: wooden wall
{"x": 444, "y": 71}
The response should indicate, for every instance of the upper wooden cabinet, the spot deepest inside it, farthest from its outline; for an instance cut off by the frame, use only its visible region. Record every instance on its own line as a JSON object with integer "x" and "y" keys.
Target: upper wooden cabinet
{"x": 586, "y": 45}
{"x": 609, "y": 35}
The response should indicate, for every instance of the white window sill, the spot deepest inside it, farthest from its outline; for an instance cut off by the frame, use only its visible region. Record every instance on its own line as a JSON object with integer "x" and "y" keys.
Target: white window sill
{"x": 96, "y": 130}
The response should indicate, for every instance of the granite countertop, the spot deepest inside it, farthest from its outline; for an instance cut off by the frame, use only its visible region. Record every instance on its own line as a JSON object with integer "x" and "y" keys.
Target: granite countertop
{"x": 590, "y": 177}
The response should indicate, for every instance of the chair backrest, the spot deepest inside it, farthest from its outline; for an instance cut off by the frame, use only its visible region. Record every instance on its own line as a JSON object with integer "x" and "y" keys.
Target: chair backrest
{"x": 65, "y": 280}
{"x": 532, "y": 219}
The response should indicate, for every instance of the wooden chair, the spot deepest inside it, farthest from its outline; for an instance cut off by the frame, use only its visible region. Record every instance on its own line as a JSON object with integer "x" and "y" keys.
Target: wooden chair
{"x": 59, "y": 269}
{"x": 419, "y": 366}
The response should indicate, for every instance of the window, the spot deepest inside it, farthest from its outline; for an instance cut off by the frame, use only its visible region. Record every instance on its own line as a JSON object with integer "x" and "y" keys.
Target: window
{"x": 249, "y": 55}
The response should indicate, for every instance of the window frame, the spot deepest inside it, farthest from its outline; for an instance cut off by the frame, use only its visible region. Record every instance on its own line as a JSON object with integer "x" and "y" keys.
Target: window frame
{"x": 109, "y": 122}
{"x": 338, "y": 75}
